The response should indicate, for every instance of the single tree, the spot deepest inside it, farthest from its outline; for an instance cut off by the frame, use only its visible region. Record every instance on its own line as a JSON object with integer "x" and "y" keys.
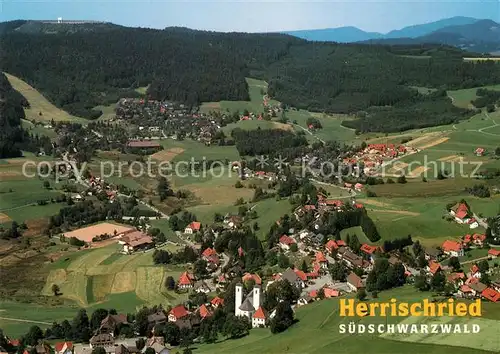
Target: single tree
{"x": 55, "y": 289}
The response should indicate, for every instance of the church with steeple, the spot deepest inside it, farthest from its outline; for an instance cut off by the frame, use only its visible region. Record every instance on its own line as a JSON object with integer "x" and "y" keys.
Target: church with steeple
{"x": 251, "y": 306}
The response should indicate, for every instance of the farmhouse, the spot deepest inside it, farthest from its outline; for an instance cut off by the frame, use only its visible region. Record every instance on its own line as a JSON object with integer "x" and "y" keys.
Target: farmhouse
{"x": 185, "y": 281}
{"x": 157, "y": 318}
{"x": 460, "y": 211}
{"x": 111, "y": 322}
{"x": 354, "y": 282}
{"x": 136, "y": 241}
{"x": 286, "y": 242}
{"x": 180, "y": 316}
{"x": 479, "y": 151}
{"x": 491, "y": 294}
{"x": 494, "y": 253}
{"x": 453, "y": 248}
{"x": 192, "y": 228}
{"x": 102, "y": 341}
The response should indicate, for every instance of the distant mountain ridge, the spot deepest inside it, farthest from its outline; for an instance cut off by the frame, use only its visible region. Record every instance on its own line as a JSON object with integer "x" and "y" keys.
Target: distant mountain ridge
{"x": 482, "y": 36}
{"x": 353, "y": 34}
{"x": 464, "y": 32}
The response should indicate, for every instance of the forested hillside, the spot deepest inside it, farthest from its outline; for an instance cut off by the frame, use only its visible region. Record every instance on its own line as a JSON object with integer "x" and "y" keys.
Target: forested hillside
{"x": 13, "y": 138}
{"x": 82, "y": 69}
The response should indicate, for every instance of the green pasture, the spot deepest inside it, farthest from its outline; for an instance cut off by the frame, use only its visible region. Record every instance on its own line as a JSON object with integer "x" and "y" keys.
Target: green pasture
{"x": 194, "y": 150}
{"x": 256, "y": 90}
{"x": 462, "y": 98}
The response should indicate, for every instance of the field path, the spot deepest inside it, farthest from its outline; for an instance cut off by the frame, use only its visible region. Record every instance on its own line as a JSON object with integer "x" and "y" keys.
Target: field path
{"x": 23, "y": 320}
{"x": 308, "y": 132}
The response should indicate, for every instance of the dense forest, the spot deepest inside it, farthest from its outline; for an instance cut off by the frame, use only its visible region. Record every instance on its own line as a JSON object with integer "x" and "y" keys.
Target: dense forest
{"x": 78, "y": 70}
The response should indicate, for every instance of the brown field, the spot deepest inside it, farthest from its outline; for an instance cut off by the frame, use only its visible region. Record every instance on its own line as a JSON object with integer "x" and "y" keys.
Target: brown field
{"x": 399, "y": 212}
{"x": 428, "y": 140}
{"x": 376, "y": 203}
{"x": 220, "y": 195}
{"x": 124, "y": 282}
{"x": 167, "y": 155}
{"x": 418, "y": 171}
{"x": 434, "y": 143}
{"x": 87, "y": 233}
{"x": 398, "y": 166}
{"x": 4, "y": 218}
{"x": 36, "y": 226}
{"x": 282, "y": 126}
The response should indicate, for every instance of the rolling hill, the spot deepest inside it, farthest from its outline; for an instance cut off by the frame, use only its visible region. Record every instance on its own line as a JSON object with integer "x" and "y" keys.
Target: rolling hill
{"x": 482, "y": 36}
{"x": 354, "y": 34}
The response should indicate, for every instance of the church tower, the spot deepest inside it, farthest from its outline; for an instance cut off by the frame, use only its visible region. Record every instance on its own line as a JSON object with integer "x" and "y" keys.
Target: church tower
{"x": 238, "y": 299}
{"x": 256, "y": 297}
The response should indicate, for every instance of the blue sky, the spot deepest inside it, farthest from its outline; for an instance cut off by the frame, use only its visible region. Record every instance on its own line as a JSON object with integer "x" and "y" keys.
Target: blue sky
{"x": 254, "y": 16}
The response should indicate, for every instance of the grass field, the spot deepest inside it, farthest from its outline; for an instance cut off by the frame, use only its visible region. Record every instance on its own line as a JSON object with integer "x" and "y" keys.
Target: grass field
{"x": 421, "y": 217}
{"x": 96, "y": 276}
{"x": 197, "y": 151}
{"x": 462, "y": 98}
{"x": 256, "y": 90}
{"x": 37, "y": 129}
{"x": 40, "y": 104}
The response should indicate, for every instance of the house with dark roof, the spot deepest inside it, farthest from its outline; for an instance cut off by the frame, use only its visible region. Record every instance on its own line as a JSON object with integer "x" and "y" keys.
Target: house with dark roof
{"x": 103, "y": 340}
{"x": 157, "y": 318}
{"x": 293, "y": 278}
{"x": 111, "y": 323}
{"x": 355, "y": 282}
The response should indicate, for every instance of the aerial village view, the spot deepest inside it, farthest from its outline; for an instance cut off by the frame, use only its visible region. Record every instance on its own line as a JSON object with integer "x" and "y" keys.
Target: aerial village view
{"x": 230, "y": 189}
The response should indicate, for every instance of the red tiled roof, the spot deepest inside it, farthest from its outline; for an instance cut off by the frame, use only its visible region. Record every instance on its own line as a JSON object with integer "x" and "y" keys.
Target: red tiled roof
{"x": 449, "y": 245}
{"x": 287, "y": 240}
{"x": 465, "y": 289}
{"x": 341, "y": 243}
{"x": 359, "y": 206}
{"x": 209, "y": 252}
{"x": 368, "y": 249}
{"x": 310, "y": 207}
{"x": 185, "y": 279}
{"x": 331, "y": 245}
{"x": 216, "y": 301}
{"x": 179, "y": 311}
{"x": 255, "y": 277}
{"x": 204, "y": 311}
{"x": 494, "y": 252}
{"x": 474, "y": 269}
{"x": 300, "y": 274}
{"x": 330, "y": 292}
{"x": 335, "y": 202}
{"x": 491, "y": 294}
{"x": 16, "y": 342}
{"x": 355, "y": 280}
{"x": 195, "y": 225}
{"x": 241, "y": 252}
{"x": 313, "y": 293}
{"x": 479, "y": 237}
{"x": 60, "y": 345}
{"x": 320, "y": 257}
{"x": 358, "y": 186}
{"x": 434, "y": 267}
{"x": 467, "y": 238}
{"x": 259, "y": 314}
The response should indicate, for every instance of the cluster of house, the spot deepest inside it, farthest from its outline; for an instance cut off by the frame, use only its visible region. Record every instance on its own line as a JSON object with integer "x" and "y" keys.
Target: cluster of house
{"x": 42, "y": 348}
{"x": 325, "y": 205}
{"x": 467, "y": 285}
{"x": 462, "y": 215}
{"x": 374, "y": 155}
